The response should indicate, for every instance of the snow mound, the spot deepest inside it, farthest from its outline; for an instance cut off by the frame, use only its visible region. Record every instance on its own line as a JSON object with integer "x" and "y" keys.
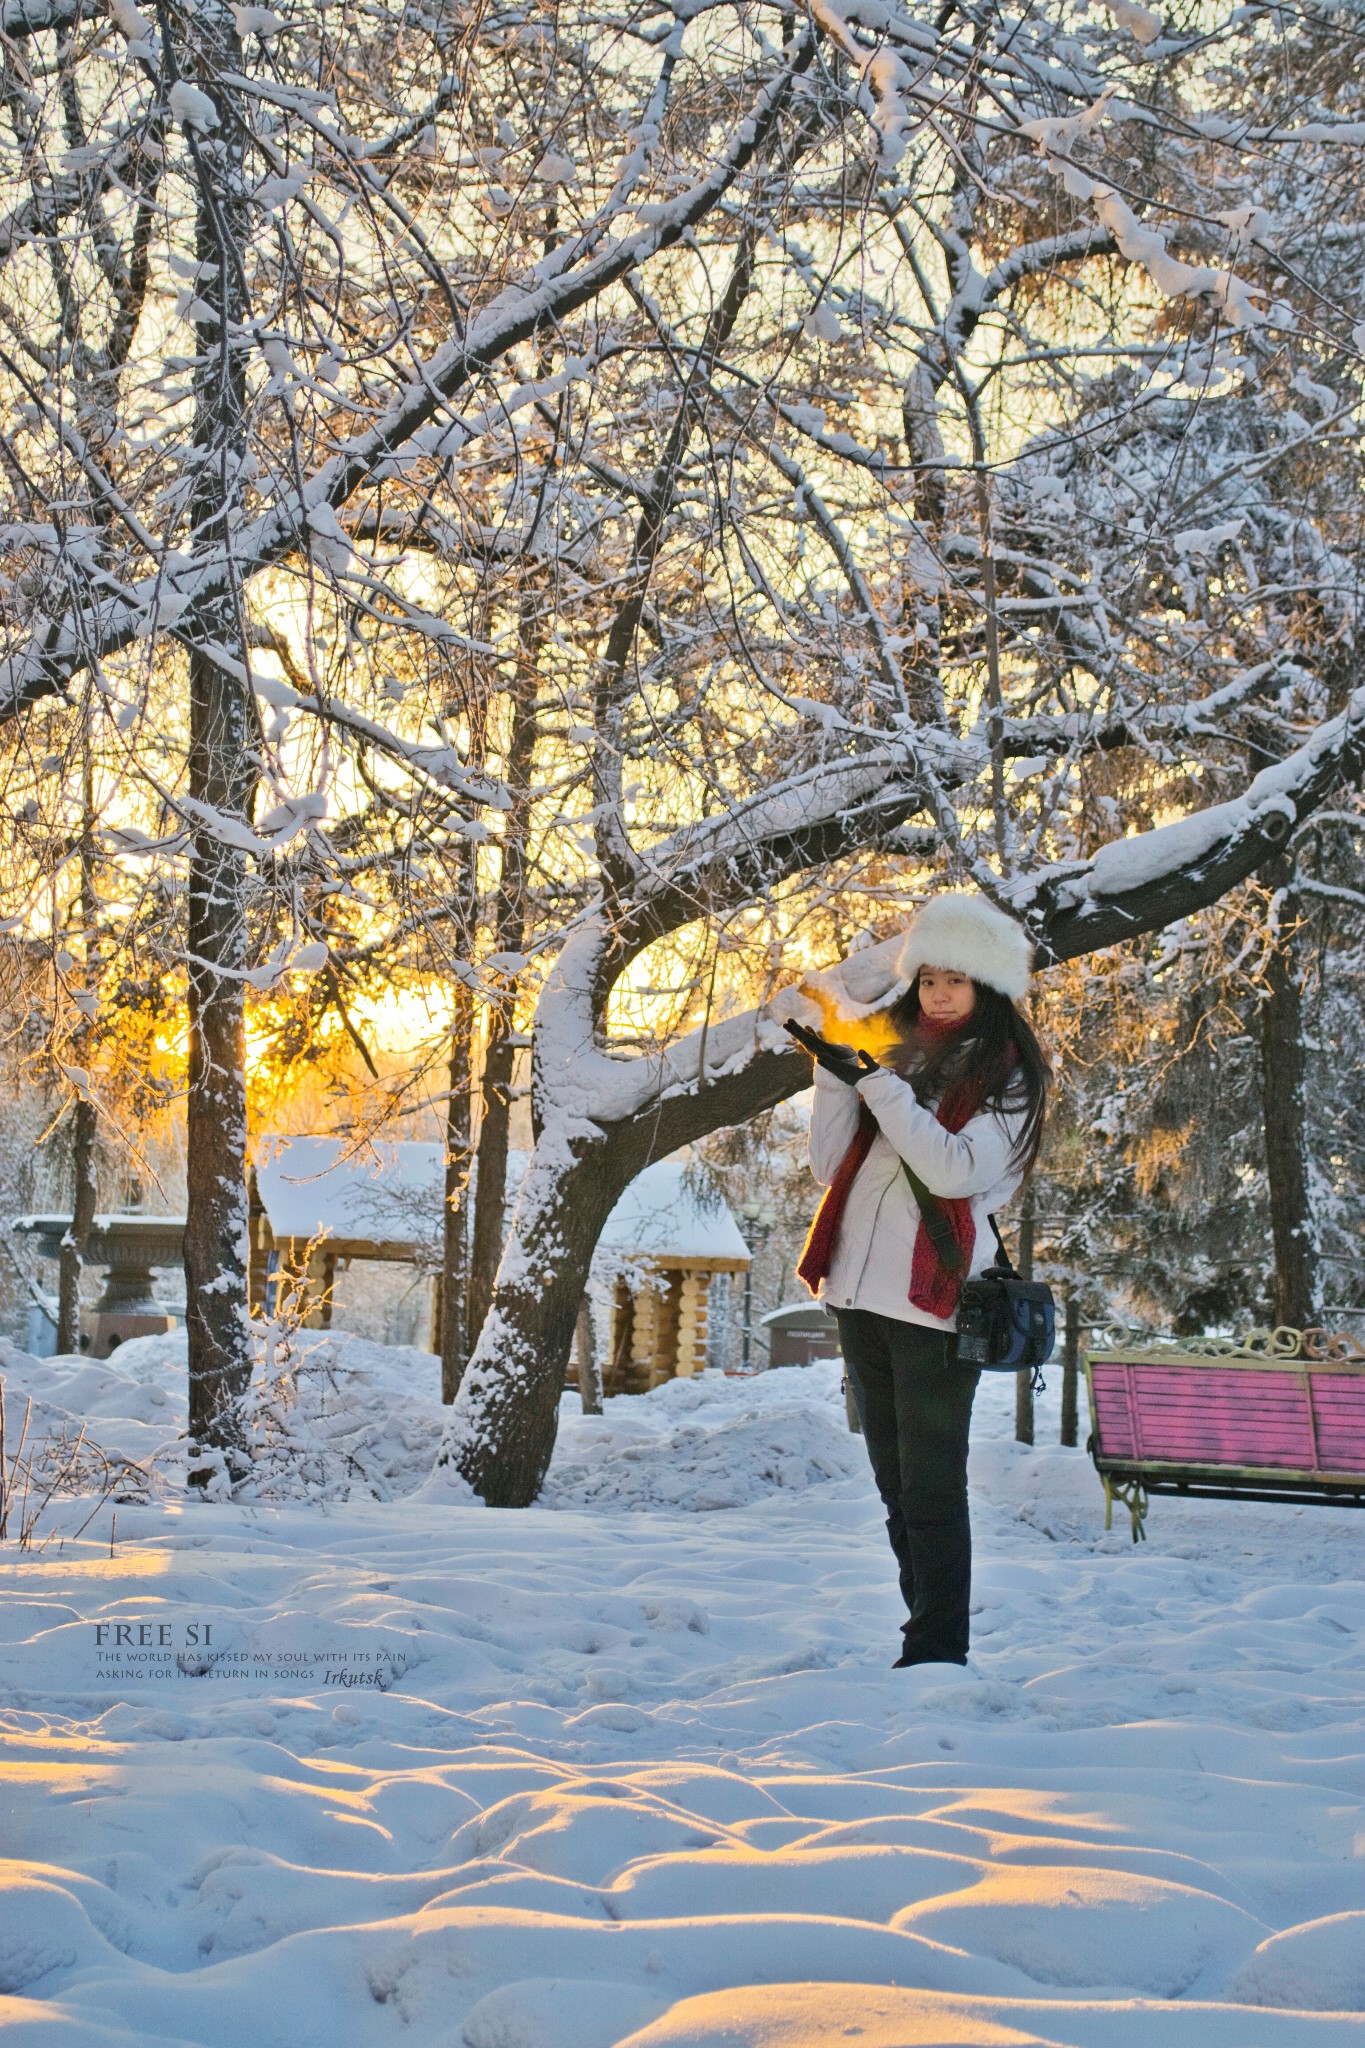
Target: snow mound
{"x": 1088, "y": 1928}
{"x": 44, "y": 1929}
{"x": 160, "y": 1361}
{"x": 1317, "y": 1967}
{"x": 342, "y": 1419}
{"x": 339, "y": 1418}
{"x": 708, "y": 1443}
{"x": 827, "y": 2016}
{"x": 559, "y": 2012}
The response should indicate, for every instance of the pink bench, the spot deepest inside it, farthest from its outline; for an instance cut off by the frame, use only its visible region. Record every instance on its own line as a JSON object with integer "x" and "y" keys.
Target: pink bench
{"x": 1280, "y": 1417}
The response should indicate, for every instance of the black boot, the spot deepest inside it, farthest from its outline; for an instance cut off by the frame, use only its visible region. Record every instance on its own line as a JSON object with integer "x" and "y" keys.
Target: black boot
{"x": 909, "y": 1657}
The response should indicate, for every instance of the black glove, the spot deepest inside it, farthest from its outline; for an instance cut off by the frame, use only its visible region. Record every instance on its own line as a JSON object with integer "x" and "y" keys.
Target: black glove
{"x": 840, "y": 1060}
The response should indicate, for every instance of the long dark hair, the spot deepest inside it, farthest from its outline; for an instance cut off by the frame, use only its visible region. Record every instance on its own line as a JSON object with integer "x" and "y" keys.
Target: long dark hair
{"x": 993, "y": 1061}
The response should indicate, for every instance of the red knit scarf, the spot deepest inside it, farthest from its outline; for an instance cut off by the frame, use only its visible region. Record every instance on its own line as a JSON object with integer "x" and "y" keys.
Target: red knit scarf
{"x": 932, "y": 1287}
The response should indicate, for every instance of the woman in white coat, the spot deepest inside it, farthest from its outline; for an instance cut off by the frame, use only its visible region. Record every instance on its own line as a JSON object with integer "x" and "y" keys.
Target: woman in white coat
{"x": 959, "y": 1102}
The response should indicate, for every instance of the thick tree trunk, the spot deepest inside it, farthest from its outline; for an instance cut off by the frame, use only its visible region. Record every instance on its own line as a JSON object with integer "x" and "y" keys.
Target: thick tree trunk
{"x": 85, "y": 1117}
{"x": 490, "y": 1190}
{"x": 588, "y": 1359}
{"x": 84, "y": 1127}
{"x": 222, "y": 776}
{"x": 216, "y": 1248}
{"x": 1283, "y": 1070}
{"x": 503, "y": 1431}
{"x": 921, "y": 572}
{"x": 455, "y": 1329}
{"x": 509, "y": 936}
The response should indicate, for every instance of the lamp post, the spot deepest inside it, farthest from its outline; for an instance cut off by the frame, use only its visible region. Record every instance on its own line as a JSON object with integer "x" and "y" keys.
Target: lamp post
{"x": 756, "y": 1225}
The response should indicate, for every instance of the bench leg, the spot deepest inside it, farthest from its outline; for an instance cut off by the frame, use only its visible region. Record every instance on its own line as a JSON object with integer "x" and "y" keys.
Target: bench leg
{"x": 1134, "y": 1498}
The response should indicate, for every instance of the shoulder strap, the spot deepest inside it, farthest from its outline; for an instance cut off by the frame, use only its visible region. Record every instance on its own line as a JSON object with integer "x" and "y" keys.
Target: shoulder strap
{"x": 940, "y": 1230}
{"x": 1002, "y": 1255}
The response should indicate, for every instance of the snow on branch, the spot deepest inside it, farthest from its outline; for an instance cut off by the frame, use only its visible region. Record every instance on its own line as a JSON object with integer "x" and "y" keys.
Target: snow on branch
{"x": 1150, "y": 879}
{"x": 1139, "y": 243}
{"x": 1141, "y": 23}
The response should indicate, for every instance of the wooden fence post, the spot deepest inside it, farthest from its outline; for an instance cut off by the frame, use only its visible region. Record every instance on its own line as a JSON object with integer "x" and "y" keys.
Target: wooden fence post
{"x": 587, "y": 1359}
{"x": 1023, "y": 1381}
{"x": 1071, "y": 1354}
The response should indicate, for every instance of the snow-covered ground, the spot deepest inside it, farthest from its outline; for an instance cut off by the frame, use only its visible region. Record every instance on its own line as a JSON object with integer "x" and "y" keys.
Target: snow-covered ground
{"x": 631, "y": 1766}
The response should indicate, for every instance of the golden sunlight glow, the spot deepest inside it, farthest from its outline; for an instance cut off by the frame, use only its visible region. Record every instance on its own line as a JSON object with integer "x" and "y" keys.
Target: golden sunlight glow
{"x": 875, "y": 1034}
{"x": 129, "y": 1563}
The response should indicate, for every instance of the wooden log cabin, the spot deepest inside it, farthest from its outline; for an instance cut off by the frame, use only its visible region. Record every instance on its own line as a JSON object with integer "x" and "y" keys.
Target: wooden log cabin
{"x": 315, "y": 1205}
{"x": 663, "y": 1248}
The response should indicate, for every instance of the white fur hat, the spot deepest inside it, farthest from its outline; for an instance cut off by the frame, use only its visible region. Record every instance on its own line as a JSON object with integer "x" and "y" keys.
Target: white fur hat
{"x": 969, "y": 935}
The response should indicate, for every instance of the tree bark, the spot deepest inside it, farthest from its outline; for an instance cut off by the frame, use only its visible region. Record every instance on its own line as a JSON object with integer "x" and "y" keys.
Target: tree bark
{"x": 589, "y": 1362}
{"x": 1293, "y": 1228}
{"x": 455, "y": 1331}
{"x": 921, "y": 595}
{"x": 509, "y": 936}
{"x": 490, "y": 1186}
{"x": 84, "y": 1127}
{"x": 222, "y": 774}
{"x": 510, "y": 1392}
{"x": 85, "y": 1117}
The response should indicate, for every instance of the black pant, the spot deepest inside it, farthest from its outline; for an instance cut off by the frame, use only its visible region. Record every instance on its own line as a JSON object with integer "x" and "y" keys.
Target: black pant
{"x": 915, "y": 1404}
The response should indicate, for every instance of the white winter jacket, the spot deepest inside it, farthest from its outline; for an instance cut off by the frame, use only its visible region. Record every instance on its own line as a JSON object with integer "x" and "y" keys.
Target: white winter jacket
{"x": 875, "y": 1246}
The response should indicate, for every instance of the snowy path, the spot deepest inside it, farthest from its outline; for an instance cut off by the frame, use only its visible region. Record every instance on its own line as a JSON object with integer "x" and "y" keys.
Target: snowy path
{"x": 647, "y": 1776}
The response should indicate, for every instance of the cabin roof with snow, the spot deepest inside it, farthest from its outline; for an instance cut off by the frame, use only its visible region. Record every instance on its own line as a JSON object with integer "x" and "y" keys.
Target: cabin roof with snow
{"x": 383, "y": 1201}
{"x": 661, "y": 1217}
{"x": 386, "y": 1201}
